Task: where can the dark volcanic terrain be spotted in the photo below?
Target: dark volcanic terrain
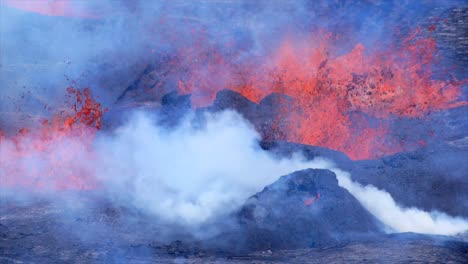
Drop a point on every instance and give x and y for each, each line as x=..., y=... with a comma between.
x=35, y=234
x=304, y=217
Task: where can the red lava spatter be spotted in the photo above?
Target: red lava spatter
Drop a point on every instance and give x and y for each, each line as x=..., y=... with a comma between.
x=332, y=92
x=57, y=155
x=329, y=89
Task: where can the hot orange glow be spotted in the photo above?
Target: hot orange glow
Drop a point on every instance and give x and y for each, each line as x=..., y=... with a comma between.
x=54, y=156
x=339, y=101
x=333, y=92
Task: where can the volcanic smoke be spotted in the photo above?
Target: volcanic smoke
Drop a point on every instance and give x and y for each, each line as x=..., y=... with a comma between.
x=319, y=86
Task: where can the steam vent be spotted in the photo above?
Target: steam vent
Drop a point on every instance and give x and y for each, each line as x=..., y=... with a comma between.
x=233, y=131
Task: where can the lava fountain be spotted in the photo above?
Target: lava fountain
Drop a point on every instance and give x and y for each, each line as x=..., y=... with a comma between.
x=343, y=101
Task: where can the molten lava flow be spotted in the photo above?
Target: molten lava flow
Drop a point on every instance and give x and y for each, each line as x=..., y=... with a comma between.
x=344, y=102
x=54, y=156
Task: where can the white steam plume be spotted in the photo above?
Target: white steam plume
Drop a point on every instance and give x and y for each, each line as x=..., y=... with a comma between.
x=192, y=174
x=381, y=204
x=189, y=174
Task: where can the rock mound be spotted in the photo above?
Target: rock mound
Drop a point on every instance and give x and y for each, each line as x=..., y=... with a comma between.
x=304, y=209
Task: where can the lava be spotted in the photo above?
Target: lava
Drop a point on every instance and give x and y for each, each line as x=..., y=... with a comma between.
x=58, y=149
x=345, y=102
x=342, y=101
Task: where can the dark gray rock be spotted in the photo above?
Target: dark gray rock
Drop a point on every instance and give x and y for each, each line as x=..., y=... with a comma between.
x=304, y=209
x=40, y=233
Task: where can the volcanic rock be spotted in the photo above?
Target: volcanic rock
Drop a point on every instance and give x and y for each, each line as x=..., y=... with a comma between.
x=264, y=115
x=304, y=209
x=174, y=108
x=44, y=232
x=228, y=99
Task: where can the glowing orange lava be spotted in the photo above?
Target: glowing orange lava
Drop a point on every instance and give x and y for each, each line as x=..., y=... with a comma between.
x=340, y=101
x=55, y=155
x=333, y=92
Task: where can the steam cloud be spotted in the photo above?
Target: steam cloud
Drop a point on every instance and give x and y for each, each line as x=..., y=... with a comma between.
x=189, y=174
x=195, y=173
x=381, y=204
